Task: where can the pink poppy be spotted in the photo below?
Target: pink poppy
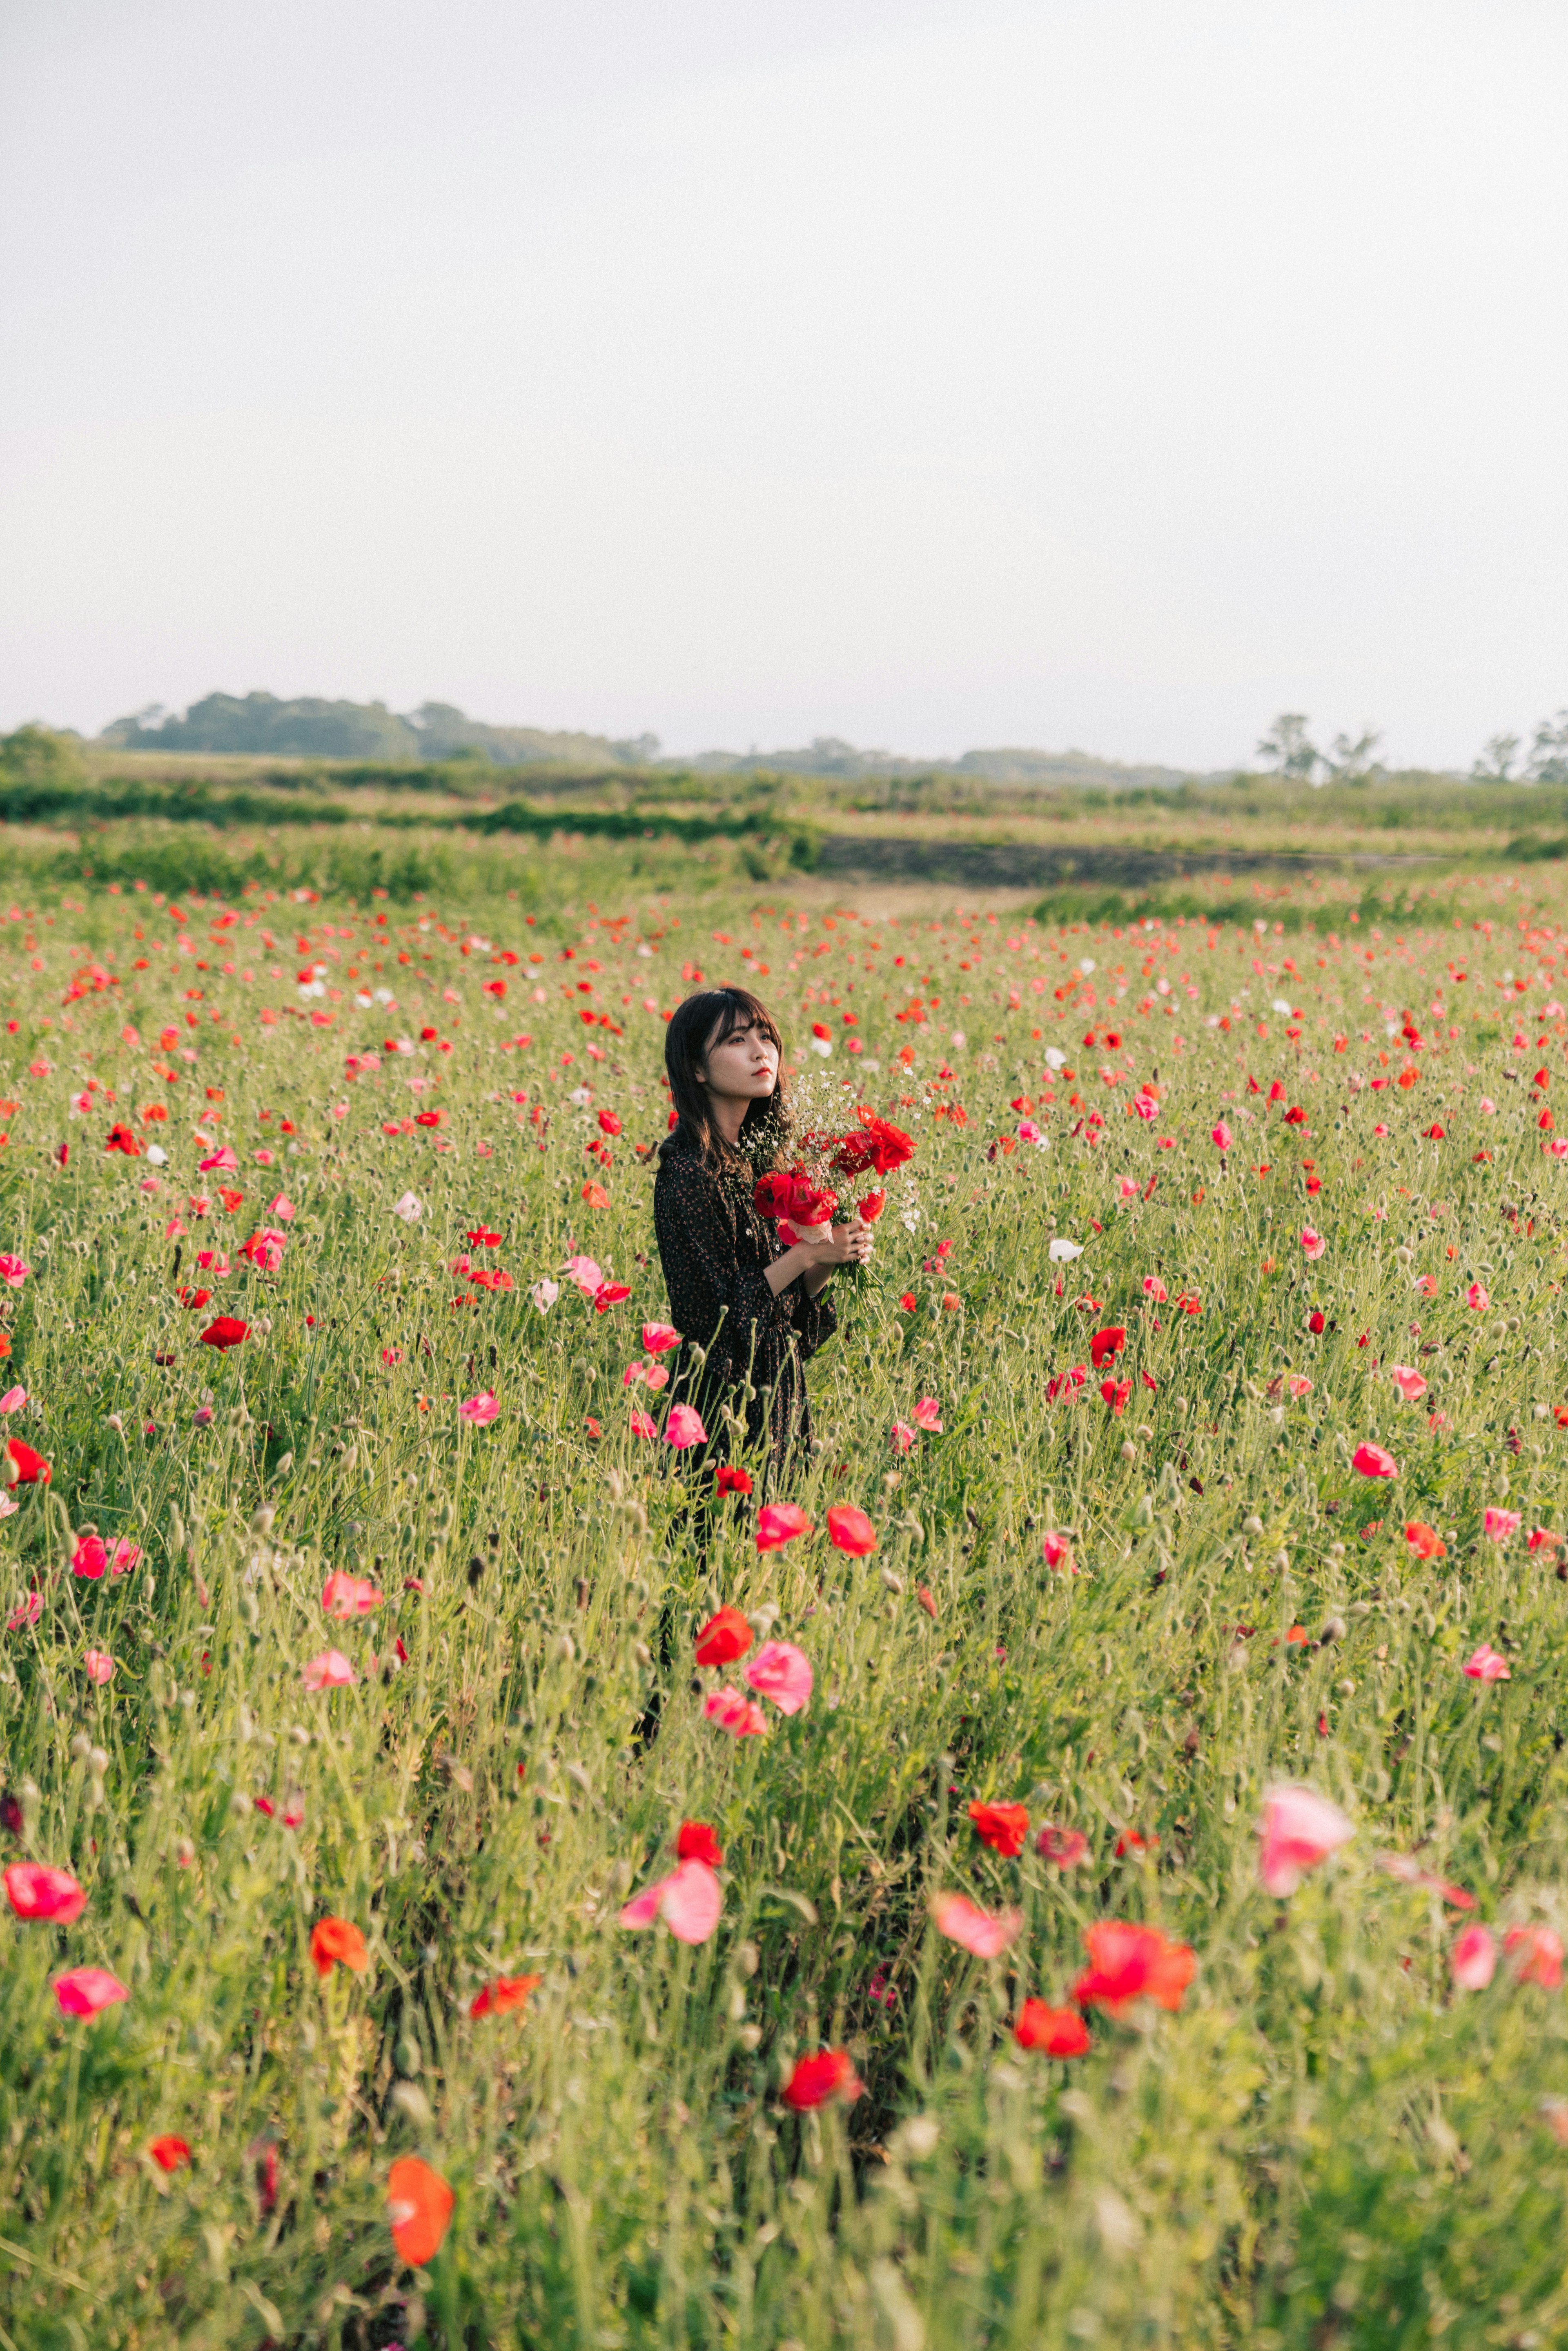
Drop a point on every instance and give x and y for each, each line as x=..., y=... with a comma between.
x=330, y=1670
x=1475, y=1958
x=1409, y=1383
x=91, y=1558
x=683, y=1427
x=783, y=1673
x=928, y=1416
x=983, y=1932
x=14, y=1271
x=82, y=1991
x=1486, y=1665
x=348, y=1595
x=1500, y=1524
x=732, y=1712
x=1057, y=1552
x=1478, y=1297
x=1299, y=1829
x=479, y=1410
x=223, y=1160
x=282, y=1207
x=586, y=1273
x=641, y=1425
x=1312, y=1244
x=690, y=1901
x=34, y=1891
x=27, y=1610
x=1154, y=1288
x=850, y=1529
x=658, y=1338
x=99, y=1667
x=124, y=1556
x=1220, y=1136
x=1371, y=1461
x=900, y=1436
x=1064, y=1849
x=1536, y=1955
x=1298, y=1385
x=778, y=1523
x=13, y=1400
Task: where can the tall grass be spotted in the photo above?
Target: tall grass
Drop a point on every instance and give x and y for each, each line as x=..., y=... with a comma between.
x=1328, y=2144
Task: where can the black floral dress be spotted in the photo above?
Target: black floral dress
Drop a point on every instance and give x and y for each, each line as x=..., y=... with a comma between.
x=714, y=1246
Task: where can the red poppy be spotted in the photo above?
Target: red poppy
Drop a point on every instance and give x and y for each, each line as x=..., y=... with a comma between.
x=169, y=2153
x=1116, y=1393
x=1425, y=1540
x=226, y=1332
x=850, y=1529
x=507, y=1992
x=1131, y=1842
x=880, y=1148
x=1001, y=1826
x=1059, y=2032
x=733, y=1481
x=724, y=1638
x=419, y=2206
x=430, y=1118
x=696, y=1842
x=809, y=1204
x=337, y=1942
x=815, y=2080
x=1315, y=1324
x=480, y=1238
x=608, y=1123
x=1107, y=1343
x=27, y=1468
x=871, y=1207
x=124, y=1138
x=193, y=1301
x=1128, y=1963
x=771, y=1195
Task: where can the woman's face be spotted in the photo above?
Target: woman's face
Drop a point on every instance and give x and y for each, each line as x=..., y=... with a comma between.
x=745, y=1066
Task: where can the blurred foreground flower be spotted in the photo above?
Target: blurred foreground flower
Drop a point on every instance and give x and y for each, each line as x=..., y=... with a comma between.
x=983, y=1932
x=690, y=1901
x=503, y=1995
x=1059, y=2032
x=418, y=2210
x=1299, y=1829
x=35, y=1891
x=1129, y=1963
x=816, y=2080
x=337, y=1942
x=83, y=1991
x=1475, y=1958
x=330, y=1670
x=783, y=1673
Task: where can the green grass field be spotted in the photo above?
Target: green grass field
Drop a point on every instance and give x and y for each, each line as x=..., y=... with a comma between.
x=1326, y=2141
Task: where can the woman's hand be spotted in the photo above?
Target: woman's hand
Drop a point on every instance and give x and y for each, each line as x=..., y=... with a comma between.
x=819, y=1261
x=844, y=1245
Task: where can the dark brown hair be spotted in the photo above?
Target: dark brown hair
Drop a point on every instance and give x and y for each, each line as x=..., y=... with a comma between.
x=703, y=1020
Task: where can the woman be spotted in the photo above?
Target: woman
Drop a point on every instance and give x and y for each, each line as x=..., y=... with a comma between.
x=756, y=1308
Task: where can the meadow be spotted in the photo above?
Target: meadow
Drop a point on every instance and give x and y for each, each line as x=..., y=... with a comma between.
x=1204, y=1410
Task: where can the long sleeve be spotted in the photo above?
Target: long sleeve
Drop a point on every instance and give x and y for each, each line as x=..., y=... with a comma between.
x=711, y=1275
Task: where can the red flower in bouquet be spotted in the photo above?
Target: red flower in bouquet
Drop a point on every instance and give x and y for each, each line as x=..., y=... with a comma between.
x=771, y=1197
x=879, y=1147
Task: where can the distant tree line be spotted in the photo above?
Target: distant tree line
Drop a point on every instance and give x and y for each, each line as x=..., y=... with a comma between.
x=1289, y=750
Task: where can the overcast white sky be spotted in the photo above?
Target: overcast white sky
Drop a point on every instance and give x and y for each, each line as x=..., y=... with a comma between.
x=931, y=372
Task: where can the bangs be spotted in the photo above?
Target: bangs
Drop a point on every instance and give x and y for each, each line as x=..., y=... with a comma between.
x=741, y=1012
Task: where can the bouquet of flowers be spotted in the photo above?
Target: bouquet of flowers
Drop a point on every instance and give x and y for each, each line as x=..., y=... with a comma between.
x=803, y=1205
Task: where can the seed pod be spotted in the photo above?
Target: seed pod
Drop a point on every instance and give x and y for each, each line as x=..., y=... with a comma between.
x=1332, y=1630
